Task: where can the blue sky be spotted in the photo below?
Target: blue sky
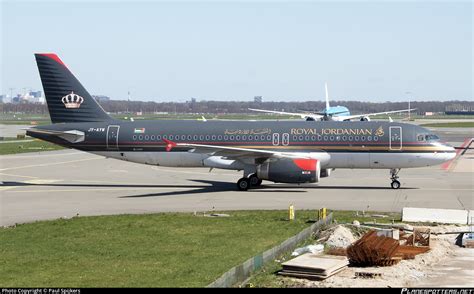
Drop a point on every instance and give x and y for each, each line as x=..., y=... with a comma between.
x=167, y=51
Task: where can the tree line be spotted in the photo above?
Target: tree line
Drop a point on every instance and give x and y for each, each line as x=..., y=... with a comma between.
x=237, y=107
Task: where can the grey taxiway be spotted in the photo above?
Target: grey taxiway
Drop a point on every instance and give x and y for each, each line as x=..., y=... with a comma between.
x=66, y=183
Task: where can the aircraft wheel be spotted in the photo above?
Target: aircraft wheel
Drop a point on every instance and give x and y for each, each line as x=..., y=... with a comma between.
x=254, y=180
x=243, y=184
x=395, y=184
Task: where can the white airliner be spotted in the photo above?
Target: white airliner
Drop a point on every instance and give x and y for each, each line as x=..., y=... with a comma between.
x=333, y=113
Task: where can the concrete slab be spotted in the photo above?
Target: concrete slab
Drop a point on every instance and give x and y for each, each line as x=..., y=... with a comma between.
x=324, y=265
x=455, y=272
x=444, y=216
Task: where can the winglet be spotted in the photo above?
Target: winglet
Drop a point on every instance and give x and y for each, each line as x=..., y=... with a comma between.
x=169, y=145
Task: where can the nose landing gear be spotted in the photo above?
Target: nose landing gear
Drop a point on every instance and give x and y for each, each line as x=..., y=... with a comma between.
x=394, y=177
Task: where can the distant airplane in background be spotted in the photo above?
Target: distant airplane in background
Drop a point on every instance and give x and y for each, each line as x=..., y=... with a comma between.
x=333, y=113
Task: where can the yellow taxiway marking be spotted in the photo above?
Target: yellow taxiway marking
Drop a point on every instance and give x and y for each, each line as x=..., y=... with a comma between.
x=159, y=168
x=5, y=157
x=48, y=164
x=102, y=189
x=12, y=175
x=6, y=188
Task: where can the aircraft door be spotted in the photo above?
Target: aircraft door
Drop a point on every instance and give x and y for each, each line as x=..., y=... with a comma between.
x=112, y=137
x=395, y=138
x=285, y=139
x=276, y=139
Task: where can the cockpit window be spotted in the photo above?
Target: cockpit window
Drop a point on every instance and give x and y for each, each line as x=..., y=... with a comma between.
x=427, y=137
x=431, y=137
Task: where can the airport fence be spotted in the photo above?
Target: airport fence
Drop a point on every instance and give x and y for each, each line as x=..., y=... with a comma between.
x=240, y=273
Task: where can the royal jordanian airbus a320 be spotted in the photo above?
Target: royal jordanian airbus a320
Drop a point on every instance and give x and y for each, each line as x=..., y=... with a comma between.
x=286, y=152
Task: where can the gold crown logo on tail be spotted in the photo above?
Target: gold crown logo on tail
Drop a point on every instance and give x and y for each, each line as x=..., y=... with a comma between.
x=72, y=100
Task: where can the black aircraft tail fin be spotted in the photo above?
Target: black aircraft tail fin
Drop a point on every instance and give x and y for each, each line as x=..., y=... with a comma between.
x=68, y=101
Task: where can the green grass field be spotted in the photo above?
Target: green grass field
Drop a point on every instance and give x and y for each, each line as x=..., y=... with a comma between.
x=28, y=145
x=469, y=124
x=155, y=250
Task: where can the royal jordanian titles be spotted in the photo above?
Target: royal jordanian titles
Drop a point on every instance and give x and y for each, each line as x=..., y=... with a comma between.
x=277, y=151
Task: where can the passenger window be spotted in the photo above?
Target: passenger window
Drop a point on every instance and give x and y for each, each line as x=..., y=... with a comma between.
x=201, y=137
x=208, y=137
x=376, y=138
x=134, y=137
x=356, y=138
x=351, y=138
x=344, y=138
x=158, y=137
x=190, y=137
x=369, y=138
x=195, y=137
x=213, y=137
x=319, y=137
x=244, y=137
x=313, y=138
x=325, y=138
x=147, y=137
x=140, y=137
x=269, y=138
x=165, y=137
x=153, y=137
x=300, y=138
x=219, y=137
x=183, y=137
x=226, y=137
x=362, y=138
x=171, y=137
x=237, y=137
x=295, y=138
x=306, y=138
x=231, y=137
x=338, y=138
x=331, y=138
x=421, y=138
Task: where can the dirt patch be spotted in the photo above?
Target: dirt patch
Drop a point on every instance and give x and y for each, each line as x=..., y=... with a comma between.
x=404, y=274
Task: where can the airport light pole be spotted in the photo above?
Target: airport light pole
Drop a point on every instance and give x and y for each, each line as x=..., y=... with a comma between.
x=409, y=108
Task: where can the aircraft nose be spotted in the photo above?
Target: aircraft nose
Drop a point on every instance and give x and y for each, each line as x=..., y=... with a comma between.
x=450, y=151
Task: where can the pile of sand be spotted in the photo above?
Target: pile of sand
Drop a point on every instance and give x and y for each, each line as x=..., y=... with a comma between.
x=341, y=237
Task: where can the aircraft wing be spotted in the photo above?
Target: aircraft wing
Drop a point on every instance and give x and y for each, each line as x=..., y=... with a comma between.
x=373, y=114
x=232, y=152
x=302, y=115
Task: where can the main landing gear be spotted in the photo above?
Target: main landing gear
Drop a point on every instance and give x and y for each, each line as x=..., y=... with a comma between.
x=245, y=183
x=394, y=177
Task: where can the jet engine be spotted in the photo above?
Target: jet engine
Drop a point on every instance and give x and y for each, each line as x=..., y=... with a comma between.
x=365, y=118
x=290, y=170
x=325, y=172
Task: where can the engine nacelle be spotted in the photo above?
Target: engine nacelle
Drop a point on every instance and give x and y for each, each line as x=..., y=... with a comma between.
x=325, y=172
x=365, y=118
x=290, y=170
